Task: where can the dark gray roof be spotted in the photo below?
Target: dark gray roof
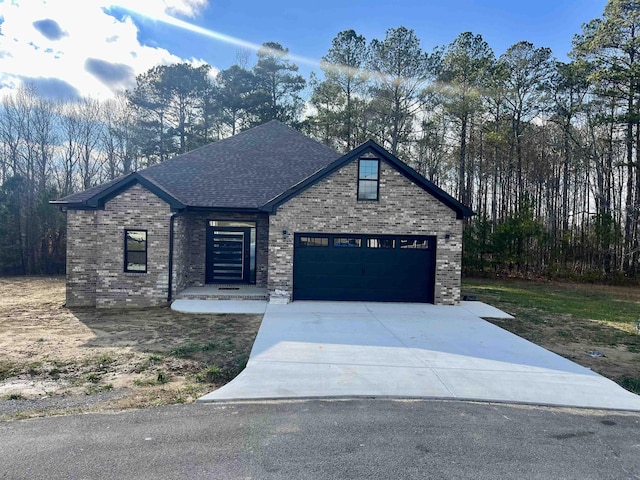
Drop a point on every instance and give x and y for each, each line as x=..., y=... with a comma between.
x=87, y=194
x=244, y=171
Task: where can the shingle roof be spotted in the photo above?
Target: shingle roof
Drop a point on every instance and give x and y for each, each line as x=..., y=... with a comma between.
x=87, y=194
x=257, y=169
x=243, y=171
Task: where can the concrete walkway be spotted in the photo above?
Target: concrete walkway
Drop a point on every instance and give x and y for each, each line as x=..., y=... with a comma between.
x=339, y=349
x=219, y=306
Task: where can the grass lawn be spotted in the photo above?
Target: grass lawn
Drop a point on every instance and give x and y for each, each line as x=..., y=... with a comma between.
x=59, y=360
x=572, y=320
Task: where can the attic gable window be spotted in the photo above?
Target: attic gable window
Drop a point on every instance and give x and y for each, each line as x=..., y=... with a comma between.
x=368, y=179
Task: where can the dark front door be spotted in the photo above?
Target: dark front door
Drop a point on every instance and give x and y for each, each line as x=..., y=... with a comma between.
x=380, y=268
x=228, y=254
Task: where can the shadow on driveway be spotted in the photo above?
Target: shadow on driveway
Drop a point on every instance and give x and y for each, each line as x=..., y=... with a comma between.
x=335, y=349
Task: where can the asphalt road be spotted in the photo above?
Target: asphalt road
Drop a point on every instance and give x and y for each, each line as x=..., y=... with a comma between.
x=349, y=439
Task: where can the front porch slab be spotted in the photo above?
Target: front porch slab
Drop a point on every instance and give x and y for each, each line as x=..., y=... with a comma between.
x=220, y=306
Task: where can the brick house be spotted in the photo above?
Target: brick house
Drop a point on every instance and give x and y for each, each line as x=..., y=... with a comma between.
x=268, y=207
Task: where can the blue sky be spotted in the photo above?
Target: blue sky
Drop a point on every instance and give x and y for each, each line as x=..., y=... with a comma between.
x=96, y=47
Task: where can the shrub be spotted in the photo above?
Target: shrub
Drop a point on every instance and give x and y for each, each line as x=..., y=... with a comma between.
x=162, y=377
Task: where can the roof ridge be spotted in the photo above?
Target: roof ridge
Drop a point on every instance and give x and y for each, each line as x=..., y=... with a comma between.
x=239, y=136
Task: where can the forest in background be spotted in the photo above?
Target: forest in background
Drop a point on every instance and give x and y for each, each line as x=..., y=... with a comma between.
x=545, y=152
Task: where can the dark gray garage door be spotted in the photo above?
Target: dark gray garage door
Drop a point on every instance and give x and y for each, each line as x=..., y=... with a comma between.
x=380, y=268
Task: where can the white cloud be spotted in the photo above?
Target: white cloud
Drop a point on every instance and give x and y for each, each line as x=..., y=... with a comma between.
x=79, y=45
x=188, y=8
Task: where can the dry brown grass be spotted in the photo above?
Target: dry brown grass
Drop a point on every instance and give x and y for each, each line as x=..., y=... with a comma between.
x=140, y=357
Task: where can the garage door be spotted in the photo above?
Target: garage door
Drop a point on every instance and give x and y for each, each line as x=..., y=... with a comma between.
x=380, y=268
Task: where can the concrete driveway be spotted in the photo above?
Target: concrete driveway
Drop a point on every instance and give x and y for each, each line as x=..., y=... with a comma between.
x=344, y=349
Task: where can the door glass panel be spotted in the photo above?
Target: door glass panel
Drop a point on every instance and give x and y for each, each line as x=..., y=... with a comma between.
x=347, y=242
x=252, y=240
x=418, y=243
x=381, y=243
x=314, y=241
x=228, y=255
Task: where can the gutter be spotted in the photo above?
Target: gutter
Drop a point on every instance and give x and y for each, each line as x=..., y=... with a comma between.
x=171, y=231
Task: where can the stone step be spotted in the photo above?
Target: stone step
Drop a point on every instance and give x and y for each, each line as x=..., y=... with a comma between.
x=191, y=296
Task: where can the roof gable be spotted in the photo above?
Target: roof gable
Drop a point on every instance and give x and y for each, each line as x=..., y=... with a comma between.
x=370, y=146
x=242, y=172
x=113, y=189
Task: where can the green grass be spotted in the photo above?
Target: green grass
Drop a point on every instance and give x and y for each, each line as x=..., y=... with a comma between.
x=103, y=360
x=581, y=301
x=145, y=383
x=222, y=373
x=93, y=377
x=630, y=383
x=14, y=396
x=148, y=363
x=34, y=368
x=162, y=377
x=7, y=370
x=186, y=351
x=93, y=389
x=213, y=374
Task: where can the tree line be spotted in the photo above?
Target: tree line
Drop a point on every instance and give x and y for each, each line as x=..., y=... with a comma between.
x=545, y=152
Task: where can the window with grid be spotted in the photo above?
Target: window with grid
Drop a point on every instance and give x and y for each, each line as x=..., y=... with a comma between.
x=368, y=179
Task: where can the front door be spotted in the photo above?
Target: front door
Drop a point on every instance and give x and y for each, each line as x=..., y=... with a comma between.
x=228, y=254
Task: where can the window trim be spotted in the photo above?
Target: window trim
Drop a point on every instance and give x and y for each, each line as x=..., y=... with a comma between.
x=126, y=250
x=377, y=181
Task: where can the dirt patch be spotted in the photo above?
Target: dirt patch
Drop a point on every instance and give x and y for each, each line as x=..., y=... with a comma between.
x=139, y=357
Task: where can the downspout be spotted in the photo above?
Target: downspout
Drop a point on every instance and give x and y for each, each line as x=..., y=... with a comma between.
x=171, y=230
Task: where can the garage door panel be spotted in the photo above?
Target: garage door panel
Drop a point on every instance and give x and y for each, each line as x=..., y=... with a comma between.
x=417, y=267
x=325, y=254
x=332, y=269
x=361, y=295
x=365, y=274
